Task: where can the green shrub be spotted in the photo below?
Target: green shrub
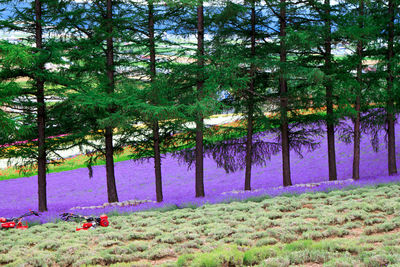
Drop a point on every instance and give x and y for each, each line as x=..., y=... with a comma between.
x=288, y=237
x=304, y=256
x=200, y=221
x=257, y=254
x=370, y=230
x=171, y=238
x=356, y=215
x=138, y=246
x=257, y=199
x=223, y=256
x=312, y=235
x=335, y=231
x=191, y=244
x=49, y=244
x=378, y=259
x=6, y=259
x=242, y=242
x=352, y=225
x=338, y=245
x=243, y=229
x=266, y=241
x=40, y=259
x=184, y=260
x=110, y=243
x=274, y=215
x=276, y=262
x=218, y=231
x=347, y=261
x=386, y=227
x=158, y=252
x=298, y=245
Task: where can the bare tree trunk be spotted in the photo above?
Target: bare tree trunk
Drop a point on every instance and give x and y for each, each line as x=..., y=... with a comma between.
x=157, y=162
x=200, y=119
x=329, y=100
x=156, y=134
x=357, y=134
x=284, y=99
x=41, y=114
x=111, y=186
x=250, y=111
x=390, y=105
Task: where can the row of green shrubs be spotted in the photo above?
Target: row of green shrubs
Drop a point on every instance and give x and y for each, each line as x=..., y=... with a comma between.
x=337, y=252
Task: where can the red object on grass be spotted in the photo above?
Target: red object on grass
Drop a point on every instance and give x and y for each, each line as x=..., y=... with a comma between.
x=21, y=226
x=86, y=226
x=8, y=225
x=15, y=222
x=91, y=222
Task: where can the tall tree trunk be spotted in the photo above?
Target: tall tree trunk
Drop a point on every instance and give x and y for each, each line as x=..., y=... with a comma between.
x=200, y=119
x=250, y=108
x=41, y=114
x=329, y=100
x=111, y=186
x=156, y=134
x=157, y=161
x=284, y=98
x=357, y=134
x=390, y=105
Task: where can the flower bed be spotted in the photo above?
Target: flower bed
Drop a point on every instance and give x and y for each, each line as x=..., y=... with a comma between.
x=136, y=181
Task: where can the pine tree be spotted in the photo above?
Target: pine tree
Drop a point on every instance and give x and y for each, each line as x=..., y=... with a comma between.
x=200, y=117
x=156, y=134
x=11, y=55
x=151, y=101
x=249, y=143
x=389, y=87
x=322, y=23
x=197, y=83
x=236, y=30
x=41, y=112
x=93, y=29
x=329, y=92
x=284, y=96
x=356, y=142
x=37, y=20
x=352, y=29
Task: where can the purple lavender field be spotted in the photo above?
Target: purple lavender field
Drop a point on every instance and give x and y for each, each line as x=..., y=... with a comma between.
x=136, y=181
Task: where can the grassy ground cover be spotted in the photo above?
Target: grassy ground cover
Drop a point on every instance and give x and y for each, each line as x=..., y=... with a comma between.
x=68, y=164
x=358, y=227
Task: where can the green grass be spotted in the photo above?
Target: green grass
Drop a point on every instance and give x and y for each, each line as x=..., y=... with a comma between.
x=69, y=164
x=312, y=228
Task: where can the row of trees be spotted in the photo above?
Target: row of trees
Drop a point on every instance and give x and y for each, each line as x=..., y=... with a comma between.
x=113, y=66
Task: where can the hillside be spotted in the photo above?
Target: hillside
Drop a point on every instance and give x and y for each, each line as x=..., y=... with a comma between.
x=357, y=227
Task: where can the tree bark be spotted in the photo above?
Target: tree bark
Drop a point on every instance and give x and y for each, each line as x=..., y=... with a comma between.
x=284, y=98
x=357, y=134
x=200, y=119
x=329, y=91
x=156, y=134
x=41, y=113
x=111, y=186
x=392, y=168
x=157, y=162
x=250, y=109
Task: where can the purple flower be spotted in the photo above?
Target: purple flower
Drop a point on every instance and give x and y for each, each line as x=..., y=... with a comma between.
x=135, y=180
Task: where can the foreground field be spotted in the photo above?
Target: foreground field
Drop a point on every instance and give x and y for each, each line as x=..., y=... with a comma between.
x=358, y=227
